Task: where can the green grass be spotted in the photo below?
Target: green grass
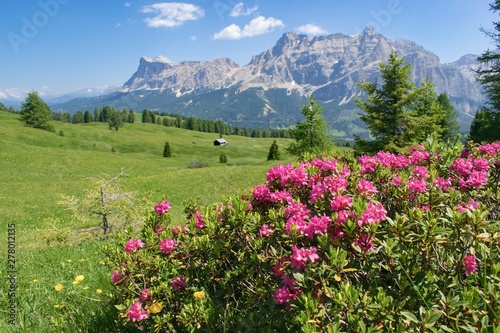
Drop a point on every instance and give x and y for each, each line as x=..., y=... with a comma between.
x=38, y=166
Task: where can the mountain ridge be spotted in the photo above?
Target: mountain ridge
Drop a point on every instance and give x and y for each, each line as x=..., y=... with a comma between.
x=298, y=66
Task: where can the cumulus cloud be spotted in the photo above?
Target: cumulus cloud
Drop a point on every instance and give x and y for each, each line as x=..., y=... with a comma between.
x=238, y=10
x=171, y=14
x=127, y=4
x=311, y=29
x=258, y=26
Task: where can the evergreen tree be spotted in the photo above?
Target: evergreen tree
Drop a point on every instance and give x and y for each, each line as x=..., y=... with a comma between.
x=222, y=158
x=131, y=117
x=146, y=117
x=166, y=150
x=106, y=113
x=153, y=117
x=486, y=124
x=97, y=114
x=87, y=117
x=398, y=114
x=3, y=107
x=78, y=117
x=274, y=153
x=311, y=136
x=36, y=113
x=449, y=122
x=115, y=120
x=485, y=127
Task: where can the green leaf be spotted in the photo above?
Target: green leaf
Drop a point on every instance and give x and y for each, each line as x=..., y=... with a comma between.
x=410, y=316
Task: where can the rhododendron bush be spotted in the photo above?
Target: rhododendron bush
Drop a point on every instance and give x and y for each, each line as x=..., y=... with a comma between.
x=400, y=243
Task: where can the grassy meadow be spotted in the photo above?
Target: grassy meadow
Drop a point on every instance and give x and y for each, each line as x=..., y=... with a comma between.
x=38, y=166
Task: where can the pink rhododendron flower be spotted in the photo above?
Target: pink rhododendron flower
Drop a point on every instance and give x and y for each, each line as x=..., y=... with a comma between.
x=116, y=277
x=317, y=226
x=462, y=166
x=477, y=178
x=481, y=164
x=326, y=166
x=418, y=157
x=340, y=202
x=133, y=244
x=265, y=231
x=167, y=245
x=366, y=187
x=470, y=264
x=374, y=213
x=368, y=164
x=335, y=184
x=285, y=294
x=136, y=313
x=421, y=172
x=261, y=193
x=162, y=207
x=301, y=255
x=198, y=217
x=364, y=242
x=417, y=185
x=178, y=283
x=396, y=181
x=144, y=295
x=279, y=267
x=471, y=205
x=159, y=229
x=298, y=176
x=442, y=184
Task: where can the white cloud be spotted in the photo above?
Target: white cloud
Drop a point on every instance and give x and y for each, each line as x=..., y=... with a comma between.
x=127, y=4
x=258, y=26
x=311, y=29
x=238, y=10
x=118, y=25
x=194, y=38
x=171, y=14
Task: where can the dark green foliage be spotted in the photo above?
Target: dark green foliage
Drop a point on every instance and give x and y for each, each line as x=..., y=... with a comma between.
x=3, y=107
x=105, y=113
x=449, y=123
x=146, y=117
x=36, y=113
x=485, y=127
x=78, y=117
x=115, y=120
x=131, y=117
x=486, y=124
x=222, y=157
x=87, y=117
x=274, y=153
x=311, y=136
x=397, y=113
x=167, y=152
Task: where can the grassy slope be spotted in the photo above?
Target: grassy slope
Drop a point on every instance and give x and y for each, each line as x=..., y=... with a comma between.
x=37, y=166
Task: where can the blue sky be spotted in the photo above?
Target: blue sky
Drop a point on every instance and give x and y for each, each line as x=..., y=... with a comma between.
x=58, y=46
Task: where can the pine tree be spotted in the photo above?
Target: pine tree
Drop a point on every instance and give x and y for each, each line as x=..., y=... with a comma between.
x=166, y=150
x=146, y=117
x=274, y=153
x=486, y=124
x=87, y=117
x=311, y=136
x=115, y=120
x=449, y=123
x=398, y=114
x=222, y=158
x=36, y=113
x=131, y=117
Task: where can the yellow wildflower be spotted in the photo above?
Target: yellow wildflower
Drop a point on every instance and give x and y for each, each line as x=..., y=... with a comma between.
x=101, y=262
x=199, y=294
x=69, y=260
x=81, y=260
x=155, y=308
x=79, y=279
x=99, y=291
x=35, y=281
x=85, y=288
x=58, y=287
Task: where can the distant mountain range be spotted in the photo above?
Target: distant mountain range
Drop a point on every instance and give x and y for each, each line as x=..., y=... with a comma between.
x=271, y=90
